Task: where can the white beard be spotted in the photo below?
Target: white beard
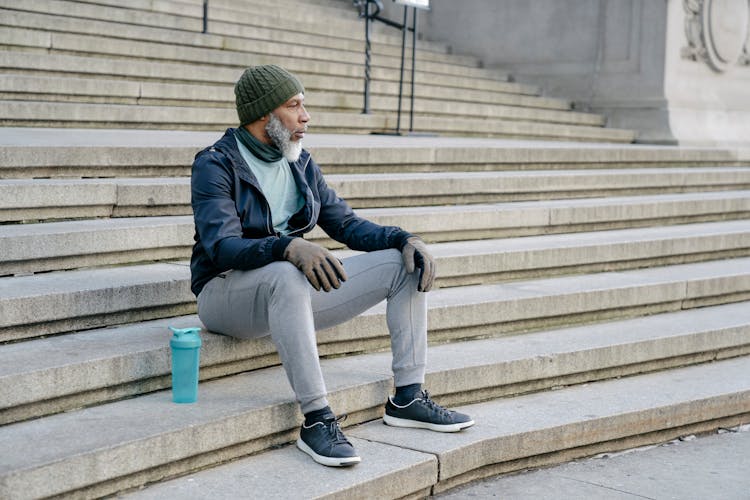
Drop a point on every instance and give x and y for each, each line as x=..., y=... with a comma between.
x=282, y=139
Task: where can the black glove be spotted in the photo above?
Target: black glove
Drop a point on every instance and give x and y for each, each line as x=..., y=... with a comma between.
x=319, y=265
x=416, y=256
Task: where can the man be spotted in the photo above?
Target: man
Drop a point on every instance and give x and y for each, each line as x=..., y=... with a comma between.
x=255, y=193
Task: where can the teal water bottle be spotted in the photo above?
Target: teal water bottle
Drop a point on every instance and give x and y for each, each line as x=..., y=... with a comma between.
x=185, y=344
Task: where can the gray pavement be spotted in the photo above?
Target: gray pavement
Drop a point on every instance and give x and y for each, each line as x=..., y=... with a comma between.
x=708, y=467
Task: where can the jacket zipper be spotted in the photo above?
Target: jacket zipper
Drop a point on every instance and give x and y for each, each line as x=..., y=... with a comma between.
x=310, y=224
x=269, y=221
x=262, y=196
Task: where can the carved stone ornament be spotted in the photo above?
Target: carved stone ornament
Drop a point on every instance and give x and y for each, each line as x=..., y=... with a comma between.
x=717, y=32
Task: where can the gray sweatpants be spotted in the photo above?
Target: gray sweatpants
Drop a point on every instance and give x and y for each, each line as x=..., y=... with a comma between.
x=277, y=300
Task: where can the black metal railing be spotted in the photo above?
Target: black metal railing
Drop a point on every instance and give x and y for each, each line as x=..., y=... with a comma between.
x=205, y=16
x=370, y=11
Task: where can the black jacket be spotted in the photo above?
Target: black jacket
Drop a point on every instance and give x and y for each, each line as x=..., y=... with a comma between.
x=233, y=228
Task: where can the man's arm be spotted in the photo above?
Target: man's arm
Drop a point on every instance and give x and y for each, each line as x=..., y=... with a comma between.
x=340, y=222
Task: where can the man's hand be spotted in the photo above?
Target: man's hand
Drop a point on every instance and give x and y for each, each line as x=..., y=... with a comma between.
x=318, y=264
x=416, y=256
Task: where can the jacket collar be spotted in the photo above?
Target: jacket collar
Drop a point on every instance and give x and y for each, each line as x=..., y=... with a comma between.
x=228, y=146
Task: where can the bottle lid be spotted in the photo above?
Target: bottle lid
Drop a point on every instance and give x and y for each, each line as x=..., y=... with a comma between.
x=185, y=338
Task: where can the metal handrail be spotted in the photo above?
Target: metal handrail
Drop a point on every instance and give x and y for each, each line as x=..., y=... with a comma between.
x=205, y=16
x=369, y=15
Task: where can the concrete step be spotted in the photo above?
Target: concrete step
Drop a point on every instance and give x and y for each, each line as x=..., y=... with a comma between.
x=66, y=65
x=30, y=200
x=424, y=189
x=223, y=35
x=200, y=82
x=49, y=199
x=344, y=6
x=78, y=300
x=230, y=18
x=310, y=19
x=14, y=113
x=29, y=248
x=94, y=242
x=488, y=261
x=461, y=262
x=149, y=438
x=57, y=152
x=251, y=19
x=45, y=376
x=58, y=302
x=341, y=9
x=511, y=129
x=115, y=91
x=337, y=7
x=287, y=17
x=481, y=221
x=237, y=53
x=40, y=21
x=691, y=466
x=94, y=90
x=194, y=8
x=536, y=430
x=35, y=114
x=84, y=11
x=349, y=40
x=18, y=87
x=548, y=428
x=430, y=109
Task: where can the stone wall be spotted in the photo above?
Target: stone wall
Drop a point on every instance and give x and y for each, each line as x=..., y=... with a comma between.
x=707, y=77
x=678, y=71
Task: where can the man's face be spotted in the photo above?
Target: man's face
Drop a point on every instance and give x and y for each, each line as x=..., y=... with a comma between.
x=294, y=116
x=286, y=127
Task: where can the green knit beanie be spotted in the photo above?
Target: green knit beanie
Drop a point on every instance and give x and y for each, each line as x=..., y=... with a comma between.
x=261, y=89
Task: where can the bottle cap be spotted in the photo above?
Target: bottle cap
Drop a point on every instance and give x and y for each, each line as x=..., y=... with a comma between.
x=185, y=338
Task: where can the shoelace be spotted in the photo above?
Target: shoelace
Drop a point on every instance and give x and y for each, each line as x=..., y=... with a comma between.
x=434, y=406
x=335, y=430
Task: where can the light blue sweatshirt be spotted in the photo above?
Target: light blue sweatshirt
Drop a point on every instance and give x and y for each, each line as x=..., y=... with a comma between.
x=278, y=186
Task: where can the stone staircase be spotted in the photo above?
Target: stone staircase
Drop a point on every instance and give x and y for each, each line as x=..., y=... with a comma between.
x=136, y=68
x=593, y=294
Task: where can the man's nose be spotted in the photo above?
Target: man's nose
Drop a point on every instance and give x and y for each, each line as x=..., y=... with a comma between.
x=304, y=116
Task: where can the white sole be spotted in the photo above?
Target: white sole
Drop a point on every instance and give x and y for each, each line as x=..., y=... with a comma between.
x=329, y=461
x=414, y=424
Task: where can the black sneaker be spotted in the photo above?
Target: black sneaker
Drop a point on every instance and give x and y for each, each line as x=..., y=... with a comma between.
x=326, y=444
x=424, y=413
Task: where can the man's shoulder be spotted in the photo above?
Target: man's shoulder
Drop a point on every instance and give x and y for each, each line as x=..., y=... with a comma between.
x=222, y=149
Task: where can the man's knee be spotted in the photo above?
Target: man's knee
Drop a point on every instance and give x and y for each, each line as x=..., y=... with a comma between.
x=391, y=259
x=391, y=256
x=286, y=278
